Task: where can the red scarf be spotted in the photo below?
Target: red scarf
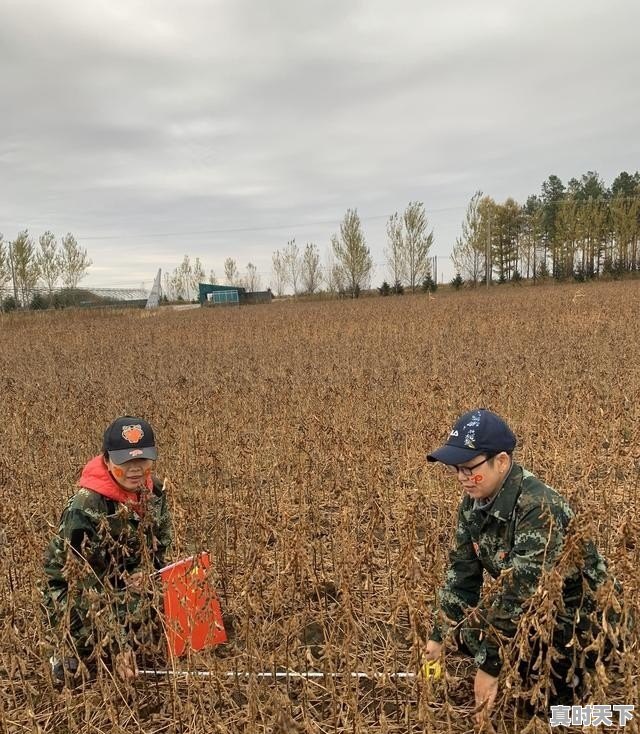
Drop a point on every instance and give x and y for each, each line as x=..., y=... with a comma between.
x=96, y=477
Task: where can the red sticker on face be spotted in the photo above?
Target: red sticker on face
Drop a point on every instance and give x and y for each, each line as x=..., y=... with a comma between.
x=477, y=478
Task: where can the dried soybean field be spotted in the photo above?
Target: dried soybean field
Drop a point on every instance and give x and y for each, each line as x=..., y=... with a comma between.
x=293, y=438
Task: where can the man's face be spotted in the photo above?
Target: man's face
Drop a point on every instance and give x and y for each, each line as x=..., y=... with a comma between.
x=132, y=474
x=481, y=477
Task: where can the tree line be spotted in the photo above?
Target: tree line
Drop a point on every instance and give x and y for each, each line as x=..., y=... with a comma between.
x=182, y=283
x=581, y=230
x=349, y=265
x=346, y=270
x=32, y=275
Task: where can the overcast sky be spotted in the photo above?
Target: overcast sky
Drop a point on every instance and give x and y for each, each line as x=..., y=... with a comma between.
x=224, y=128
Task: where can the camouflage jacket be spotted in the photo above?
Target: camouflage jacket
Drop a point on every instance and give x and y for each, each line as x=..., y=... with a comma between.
x=99, y=542
x=516, y=538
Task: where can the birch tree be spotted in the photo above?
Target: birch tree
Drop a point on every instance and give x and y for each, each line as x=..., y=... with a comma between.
x=25, y=266
x=75, y=262
x=231, y=271
x=352, y=254
x=417, y=242
x=280, y=276
x=469, y=251
x=311, y=269
x=5, y=265
x=253, y=278
x=197, y=276
x=50, y=261
x=293, y=264
x=395, y=251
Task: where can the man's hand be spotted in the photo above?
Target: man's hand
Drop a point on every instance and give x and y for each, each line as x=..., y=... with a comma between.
x=126, y=666
x=433, y=651
x=485, y=688
x=430, y=665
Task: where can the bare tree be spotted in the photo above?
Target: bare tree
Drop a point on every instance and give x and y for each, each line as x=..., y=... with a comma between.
x=212, y=278
x=5, y=264
x=197, y=276
x=252, y=279
x=395, y=251
x=311, y=269
x=185, y=278
x=25, y=266
x=168, y=286
x=49, y=261
x=417, y=242
x=333, y=275
x=180, y=283
x=75, y=262
x=293, y=264
x=231, y=271
x=280, y=272
x=469, y=252
x=352, y=254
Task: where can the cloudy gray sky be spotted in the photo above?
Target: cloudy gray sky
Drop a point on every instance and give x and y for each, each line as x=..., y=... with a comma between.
x=224, y=128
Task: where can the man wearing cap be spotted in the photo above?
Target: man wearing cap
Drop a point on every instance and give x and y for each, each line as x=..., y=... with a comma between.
x=113, y=532
x=514, y=527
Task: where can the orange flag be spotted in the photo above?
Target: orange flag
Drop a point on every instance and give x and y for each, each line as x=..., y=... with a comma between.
x=191, y=609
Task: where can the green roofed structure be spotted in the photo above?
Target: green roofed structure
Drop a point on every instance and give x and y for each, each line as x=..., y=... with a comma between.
x=230, y=295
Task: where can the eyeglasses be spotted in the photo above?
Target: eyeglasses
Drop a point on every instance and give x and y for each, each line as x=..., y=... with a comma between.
x=467, y=471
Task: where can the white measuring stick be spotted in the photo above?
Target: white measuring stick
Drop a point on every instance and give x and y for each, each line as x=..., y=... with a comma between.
x=278, y=675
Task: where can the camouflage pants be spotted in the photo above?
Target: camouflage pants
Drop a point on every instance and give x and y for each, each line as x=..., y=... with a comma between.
x=93, y=624
x=568, y=664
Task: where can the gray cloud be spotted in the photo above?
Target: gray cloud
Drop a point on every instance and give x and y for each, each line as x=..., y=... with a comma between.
x=238, y=125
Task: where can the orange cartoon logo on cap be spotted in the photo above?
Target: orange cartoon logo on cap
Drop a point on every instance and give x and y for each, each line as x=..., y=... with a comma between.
x=132, y=434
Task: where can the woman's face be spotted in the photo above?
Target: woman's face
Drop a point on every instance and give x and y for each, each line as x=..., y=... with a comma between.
x=132, y=474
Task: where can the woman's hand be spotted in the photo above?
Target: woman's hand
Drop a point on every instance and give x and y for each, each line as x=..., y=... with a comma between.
x=135, y=581
x=126, y=667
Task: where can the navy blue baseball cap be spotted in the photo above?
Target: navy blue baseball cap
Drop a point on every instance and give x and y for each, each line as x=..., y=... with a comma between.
x=475, y=433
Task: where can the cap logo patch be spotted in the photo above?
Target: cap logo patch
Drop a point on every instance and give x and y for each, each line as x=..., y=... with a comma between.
x=454, y=433
x=132, y=434
x=136, y=452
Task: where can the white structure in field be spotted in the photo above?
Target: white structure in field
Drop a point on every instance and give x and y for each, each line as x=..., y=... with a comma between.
x=154, y=297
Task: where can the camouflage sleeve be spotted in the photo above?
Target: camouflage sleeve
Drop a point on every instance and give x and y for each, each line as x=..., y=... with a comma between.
x=77, y=539
x=75, y=566
x=165, y=536
x=86, y=541
x=537, y=543
x=463, y=580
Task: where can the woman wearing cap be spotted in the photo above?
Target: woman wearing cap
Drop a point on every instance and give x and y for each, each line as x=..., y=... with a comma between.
x=513, y=526
x=113, y=532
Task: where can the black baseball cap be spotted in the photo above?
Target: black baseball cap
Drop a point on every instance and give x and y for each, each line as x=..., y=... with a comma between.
x=477, y=432
x=129, y=438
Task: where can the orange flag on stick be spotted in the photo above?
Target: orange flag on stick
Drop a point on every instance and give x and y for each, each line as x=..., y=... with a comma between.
x=191, y=608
